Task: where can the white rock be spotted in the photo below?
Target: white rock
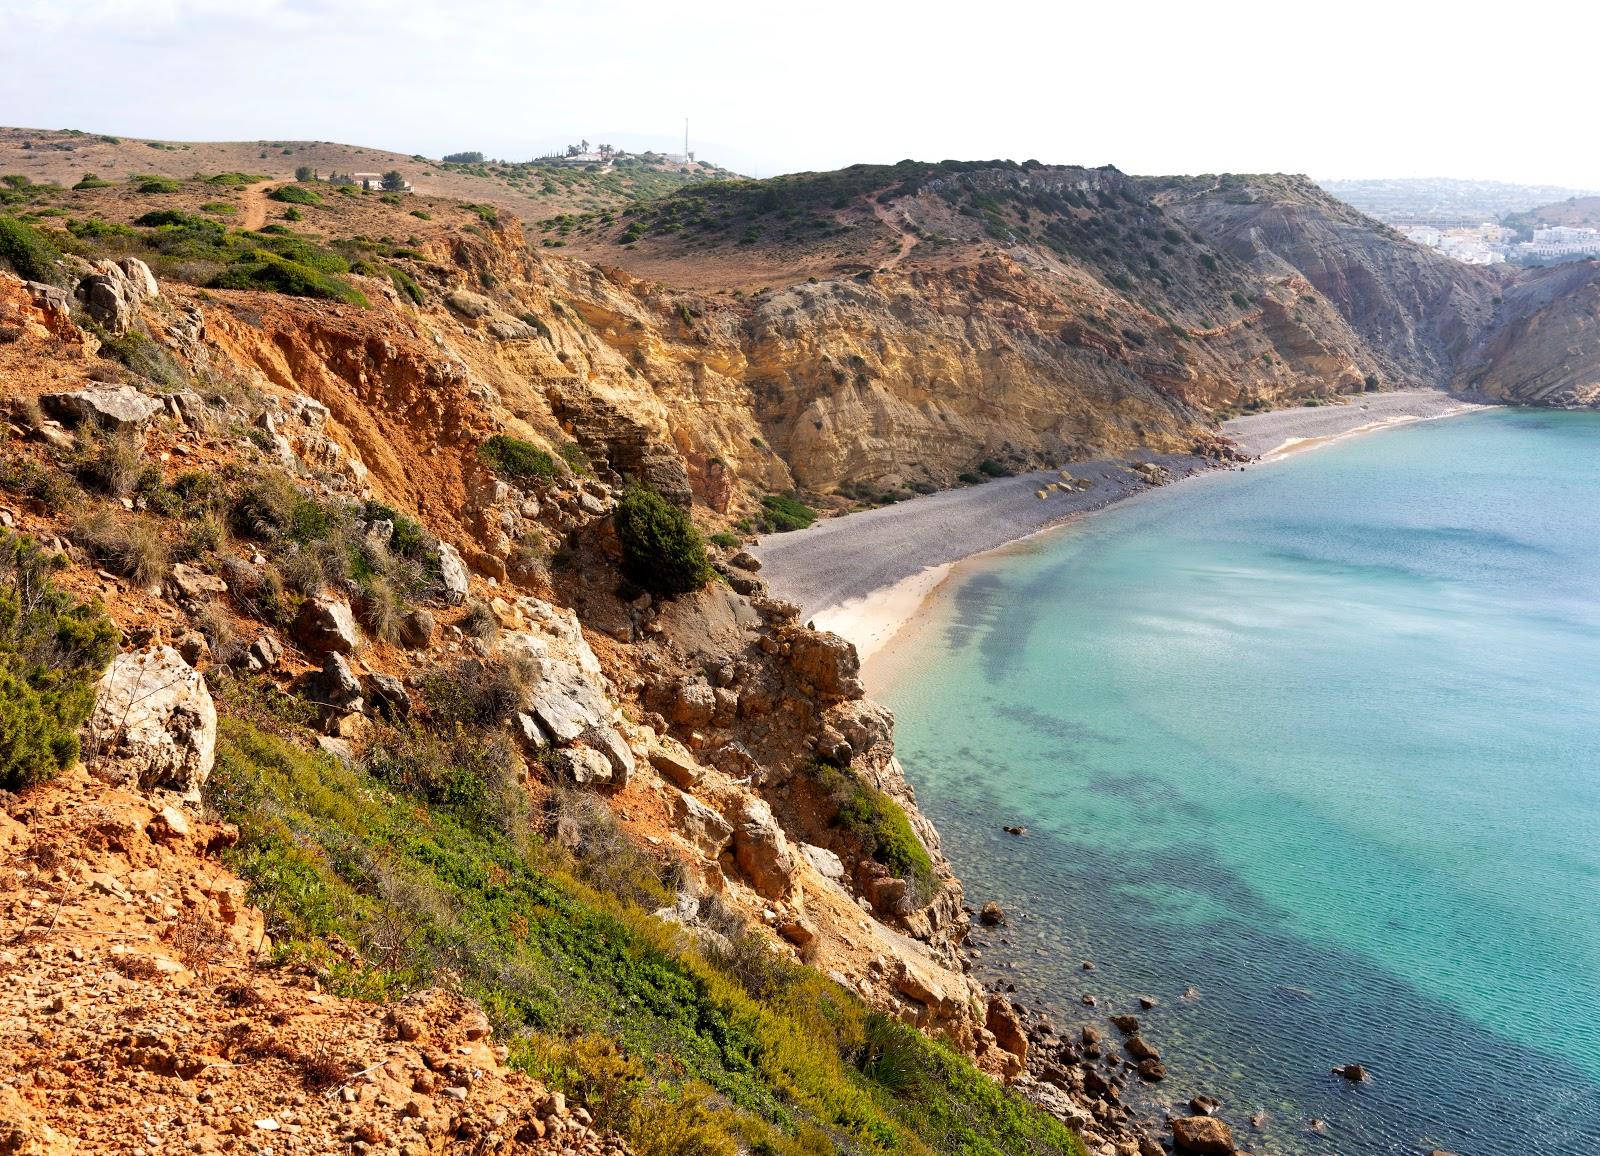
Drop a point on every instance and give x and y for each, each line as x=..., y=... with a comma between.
x=154, y=726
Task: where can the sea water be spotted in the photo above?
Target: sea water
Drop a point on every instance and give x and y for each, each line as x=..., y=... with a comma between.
x=1319, y=741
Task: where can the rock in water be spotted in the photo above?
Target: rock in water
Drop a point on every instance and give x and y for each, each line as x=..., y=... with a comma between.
x=154, y=726
x=1202, y=1136
x=1355, y=1073
x=992, y=915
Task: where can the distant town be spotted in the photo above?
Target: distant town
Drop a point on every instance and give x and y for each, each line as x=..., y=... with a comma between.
x=1483, y=222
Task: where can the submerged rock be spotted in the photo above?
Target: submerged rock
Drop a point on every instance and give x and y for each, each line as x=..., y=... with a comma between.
x=1202, y=1136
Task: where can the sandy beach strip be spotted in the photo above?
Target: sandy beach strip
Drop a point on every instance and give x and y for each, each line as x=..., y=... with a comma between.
x=866, y=576
x=1271, y=435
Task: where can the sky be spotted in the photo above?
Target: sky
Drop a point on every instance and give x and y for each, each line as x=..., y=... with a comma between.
x=1358, y=89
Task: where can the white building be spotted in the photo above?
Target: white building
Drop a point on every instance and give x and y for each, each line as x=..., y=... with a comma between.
x=1561, y=241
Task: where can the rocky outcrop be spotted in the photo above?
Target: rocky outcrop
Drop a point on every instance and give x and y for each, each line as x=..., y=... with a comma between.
x=154, y=727
x=114, y=291
x=325, y=625
x=111, y=407
x=762, y=850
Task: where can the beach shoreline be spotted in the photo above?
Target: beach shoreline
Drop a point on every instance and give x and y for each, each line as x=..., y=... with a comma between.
x=868, y=577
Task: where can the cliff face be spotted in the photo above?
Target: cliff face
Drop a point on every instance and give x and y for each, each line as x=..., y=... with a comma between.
x=1413, y=311
x=925, y=318
x=1544, y=348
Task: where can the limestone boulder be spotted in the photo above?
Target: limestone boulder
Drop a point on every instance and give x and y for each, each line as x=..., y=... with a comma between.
x=112, y=407
x=582, y=766
x=1002, y=1020
x=326, y=625
x=695, y=706
x=154, y=727
x=605, y=739
x=335, y=687
x=191, y=584
x=416, y=629
x=566, y=701
x=453, y=574
x=708, y=831
x=110, y=297
x=139, y=277
x=827, y=864
x=387, y=696
x=674, y=763
x=469, y=304
x=762, y=850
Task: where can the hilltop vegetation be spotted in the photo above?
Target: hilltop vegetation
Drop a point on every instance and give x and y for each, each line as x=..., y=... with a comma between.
x=528, y=189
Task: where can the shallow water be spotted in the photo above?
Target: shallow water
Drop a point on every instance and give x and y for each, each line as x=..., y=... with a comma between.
x=1321, y=740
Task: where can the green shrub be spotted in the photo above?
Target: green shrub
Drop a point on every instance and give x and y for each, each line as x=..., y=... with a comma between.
x=31, y=254
x=993, y=469
x=725, y=540
x=94, y=229
x=405, y=283
x=681, y=1051
x=879, y=823
x=661, y=549
x=781, y=512
x=265, y=270
x=516, y=458
x=158, y=217
x=219, y=208
x=234, y=180
x=90, y=181
x=52, y=650
x=151, y=185
x=294, y=195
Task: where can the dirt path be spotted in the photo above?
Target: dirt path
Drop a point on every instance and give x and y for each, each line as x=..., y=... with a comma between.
x=255, y=205
x=908, y=241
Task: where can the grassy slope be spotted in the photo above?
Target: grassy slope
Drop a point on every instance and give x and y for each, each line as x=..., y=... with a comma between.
x=382, y=891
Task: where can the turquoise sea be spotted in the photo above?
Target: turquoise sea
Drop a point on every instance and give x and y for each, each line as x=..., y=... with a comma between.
x=1322, y=741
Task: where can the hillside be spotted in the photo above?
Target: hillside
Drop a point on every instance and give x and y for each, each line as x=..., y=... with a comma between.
x=1576, y=212
x=530, y=190
x=396, y=702
x=446, y=698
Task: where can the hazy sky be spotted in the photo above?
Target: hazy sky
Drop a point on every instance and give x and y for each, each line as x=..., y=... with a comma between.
x=1402, y=88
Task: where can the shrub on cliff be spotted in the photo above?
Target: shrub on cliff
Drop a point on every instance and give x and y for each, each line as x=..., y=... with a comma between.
x=677, y=1050
x=52, y=649
x=31, y=254
x=264, y=270
x=661, y=549
x=880, y=825
x=518, y=459
x=781, y=513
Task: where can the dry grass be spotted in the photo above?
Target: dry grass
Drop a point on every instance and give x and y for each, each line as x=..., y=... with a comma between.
x=128, y=546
